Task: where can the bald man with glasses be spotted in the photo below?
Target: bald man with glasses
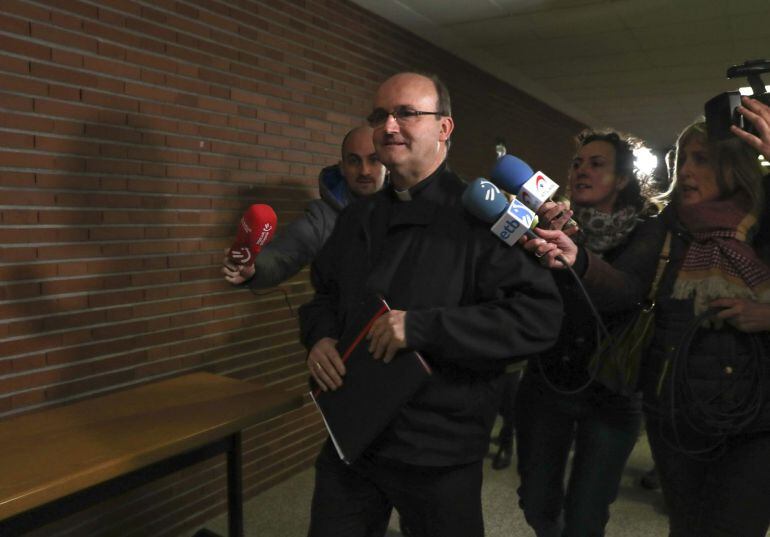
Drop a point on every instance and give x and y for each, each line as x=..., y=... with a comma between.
x=470, y=305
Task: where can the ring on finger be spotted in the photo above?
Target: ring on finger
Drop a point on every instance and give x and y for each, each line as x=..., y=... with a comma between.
x=539, y=255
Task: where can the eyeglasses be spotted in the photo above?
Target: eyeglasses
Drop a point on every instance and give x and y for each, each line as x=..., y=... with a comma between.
x=402, y=115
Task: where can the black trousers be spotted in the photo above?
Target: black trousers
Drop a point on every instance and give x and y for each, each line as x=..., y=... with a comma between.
x=548, y=424
x=356, y=500
x=726, y=496
x=507, y=408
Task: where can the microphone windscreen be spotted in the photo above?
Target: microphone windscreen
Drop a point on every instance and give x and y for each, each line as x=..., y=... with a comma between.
x=260, y=221
x=255, y=230
x=510, y=173
x=484, y=200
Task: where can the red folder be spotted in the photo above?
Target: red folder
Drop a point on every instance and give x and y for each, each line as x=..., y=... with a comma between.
x=372, y=391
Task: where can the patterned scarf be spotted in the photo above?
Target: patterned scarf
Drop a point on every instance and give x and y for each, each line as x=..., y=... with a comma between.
x=602, y=232
x=719, y=262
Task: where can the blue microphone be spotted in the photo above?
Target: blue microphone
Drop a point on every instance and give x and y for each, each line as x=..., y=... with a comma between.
x=510, y=173
x=488, y=203
x=484, y=200
x=531, y=188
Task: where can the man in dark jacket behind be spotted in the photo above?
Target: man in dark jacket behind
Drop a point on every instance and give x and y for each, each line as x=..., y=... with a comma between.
x=358, y=173
x=460, y=296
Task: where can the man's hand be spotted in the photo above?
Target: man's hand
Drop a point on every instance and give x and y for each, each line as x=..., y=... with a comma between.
x=388, y=335
x=550, y=245
x=325, y=364
x=759, y=115
x=745, y=314
x=236, y=274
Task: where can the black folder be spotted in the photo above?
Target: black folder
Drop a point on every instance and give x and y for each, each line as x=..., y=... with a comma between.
x=372, y=391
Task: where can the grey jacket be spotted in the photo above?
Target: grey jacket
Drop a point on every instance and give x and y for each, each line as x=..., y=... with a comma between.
x=297, y=245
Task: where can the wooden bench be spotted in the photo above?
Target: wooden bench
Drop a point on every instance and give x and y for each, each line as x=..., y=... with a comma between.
x=60, y=460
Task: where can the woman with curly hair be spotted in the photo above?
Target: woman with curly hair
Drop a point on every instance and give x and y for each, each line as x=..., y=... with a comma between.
x=559, y=405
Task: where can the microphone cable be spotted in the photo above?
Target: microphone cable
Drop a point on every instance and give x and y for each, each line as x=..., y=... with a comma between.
x=276, y=290
x=601, y=332
x=605, y=341
x=714, y=415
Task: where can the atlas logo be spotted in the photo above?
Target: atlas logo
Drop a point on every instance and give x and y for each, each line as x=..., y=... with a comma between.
x=541, y=183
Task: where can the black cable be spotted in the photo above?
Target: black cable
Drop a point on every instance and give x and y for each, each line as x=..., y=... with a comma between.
x=275, y=290
x=711, y=415
x=599, y=321
x=601, y=331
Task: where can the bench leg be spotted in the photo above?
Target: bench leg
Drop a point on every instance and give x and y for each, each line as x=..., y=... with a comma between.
x=235, y=487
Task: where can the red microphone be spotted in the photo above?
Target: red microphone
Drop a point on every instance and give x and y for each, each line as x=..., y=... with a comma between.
x=255, y=230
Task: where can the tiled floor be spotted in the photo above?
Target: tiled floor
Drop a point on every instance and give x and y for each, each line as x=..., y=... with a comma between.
x=283, y=511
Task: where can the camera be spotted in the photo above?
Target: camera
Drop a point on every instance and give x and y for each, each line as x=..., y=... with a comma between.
x=721, y=111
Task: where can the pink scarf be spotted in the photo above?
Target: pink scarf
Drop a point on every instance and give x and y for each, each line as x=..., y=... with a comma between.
x=719, y=262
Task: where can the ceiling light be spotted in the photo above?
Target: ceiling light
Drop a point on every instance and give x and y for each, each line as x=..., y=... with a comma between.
x=645, y=161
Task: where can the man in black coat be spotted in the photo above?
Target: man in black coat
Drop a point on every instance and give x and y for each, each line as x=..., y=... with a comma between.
x=466, y=301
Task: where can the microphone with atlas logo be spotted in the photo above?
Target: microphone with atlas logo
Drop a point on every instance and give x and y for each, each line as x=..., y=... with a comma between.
x=531, y=188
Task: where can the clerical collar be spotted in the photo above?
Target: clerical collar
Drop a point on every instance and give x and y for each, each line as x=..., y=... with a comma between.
x=410, y=193
x=403, y=195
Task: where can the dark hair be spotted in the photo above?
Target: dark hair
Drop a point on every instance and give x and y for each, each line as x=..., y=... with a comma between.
x=444, y=102
x=638, y=190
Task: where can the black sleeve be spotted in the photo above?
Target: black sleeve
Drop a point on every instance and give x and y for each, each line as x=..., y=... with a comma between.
x=517, y=312
x=626, y=282
x=319, y=317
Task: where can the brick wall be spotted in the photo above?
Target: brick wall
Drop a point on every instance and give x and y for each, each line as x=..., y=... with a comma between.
x=133, y=134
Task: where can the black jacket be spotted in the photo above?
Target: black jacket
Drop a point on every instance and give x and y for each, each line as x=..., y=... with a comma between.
x=715, y=356
x=565, y=366
x=473, y=305
x=720, y=363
